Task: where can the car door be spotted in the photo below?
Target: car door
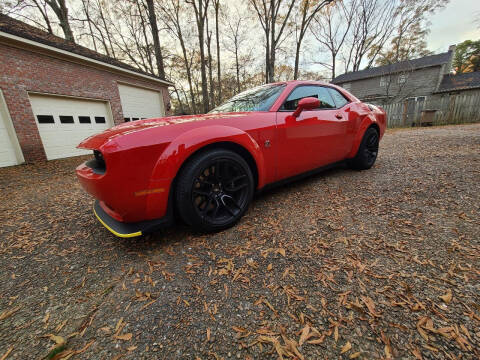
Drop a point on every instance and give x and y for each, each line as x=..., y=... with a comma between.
x=315, y=138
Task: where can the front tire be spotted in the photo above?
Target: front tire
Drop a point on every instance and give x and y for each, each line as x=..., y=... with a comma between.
x=214, y=190
x=367, y=151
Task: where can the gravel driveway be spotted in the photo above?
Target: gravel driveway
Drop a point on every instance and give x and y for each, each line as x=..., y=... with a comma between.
x=374, y=264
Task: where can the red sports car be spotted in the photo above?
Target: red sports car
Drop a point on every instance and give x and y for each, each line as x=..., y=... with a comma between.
x=206, y=168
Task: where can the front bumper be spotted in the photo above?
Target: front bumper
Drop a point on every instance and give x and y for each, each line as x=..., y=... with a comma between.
x=127, y=230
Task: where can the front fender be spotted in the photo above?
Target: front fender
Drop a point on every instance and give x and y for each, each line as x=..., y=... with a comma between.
x=364, y=125
x=182, y=147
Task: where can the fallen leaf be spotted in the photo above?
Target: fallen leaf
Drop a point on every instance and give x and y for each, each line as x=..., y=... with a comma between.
x=388, y=351
x=131, y=348
x=269, y=267
x=85, y=347
x=125, y=337
x=346, y=347
x=304, y=335
x=58, y=339
x=417, y=354
x=316, y=341
x=447, y=297
x=63, y=355
x=7, y=353
x=45, y=319
x=208, y=334
x=239, y=329
x=355, y=355
x=119, y=323
x=370, y=306
x=281, y=251
x=8, y=313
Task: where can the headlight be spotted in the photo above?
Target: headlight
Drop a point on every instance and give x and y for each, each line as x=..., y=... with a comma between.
x=98, y=164
x=99, y=157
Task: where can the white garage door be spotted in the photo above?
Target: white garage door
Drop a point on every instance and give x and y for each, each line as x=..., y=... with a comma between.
x=139, y=103
x=64, y=122
x=8, y=154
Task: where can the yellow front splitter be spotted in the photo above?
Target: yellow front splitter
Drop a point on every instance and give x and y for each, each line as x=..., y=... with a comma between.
x=127, y=230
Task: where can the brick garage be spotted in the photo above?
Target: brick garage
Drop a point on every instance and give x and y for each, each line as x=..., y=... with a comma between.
x=35, y=64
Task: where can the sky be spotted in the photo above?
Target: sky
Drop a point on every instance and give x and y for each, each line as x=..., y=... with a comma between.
x=454, y=24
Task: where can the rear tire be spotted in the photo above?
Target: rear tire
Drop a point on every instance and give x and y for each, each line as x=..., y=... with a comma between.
x=214, y=190
x=367, y=151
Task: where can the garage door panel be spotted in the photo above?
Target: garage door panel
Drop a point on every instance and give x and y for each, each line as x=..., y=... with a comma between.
x=60, y=139
x=8, y=156
x=140, y=103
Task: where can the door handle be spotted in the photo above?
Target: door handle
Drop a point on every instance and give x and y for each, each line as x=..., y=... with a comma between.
x=339, y=116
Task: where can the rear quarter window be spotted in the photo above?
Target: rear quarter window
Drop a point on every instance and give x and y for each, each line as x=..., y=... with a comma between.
x=340, y=100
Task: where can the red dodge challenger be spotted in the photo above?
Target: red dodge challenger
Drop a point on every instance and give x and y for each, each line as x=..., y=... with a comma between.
x=206, y=168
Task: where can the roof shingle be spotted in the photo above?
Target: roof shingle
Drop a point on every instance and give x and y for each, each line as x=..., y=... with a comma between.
x=408, y=65
x=18, y=28
x=460, y=82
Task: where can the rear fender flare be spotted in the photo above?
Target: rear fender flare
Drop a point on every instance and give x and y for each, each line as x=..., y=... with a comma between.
x=364, y=125
x=182, y=147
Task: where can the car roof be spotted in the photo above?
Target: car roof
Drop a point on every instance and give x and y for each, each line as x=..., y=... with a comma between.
x=300, y=82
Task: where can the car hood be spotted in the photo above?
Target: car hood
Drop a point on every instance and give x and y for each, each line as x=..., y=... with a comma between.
x=95, y=141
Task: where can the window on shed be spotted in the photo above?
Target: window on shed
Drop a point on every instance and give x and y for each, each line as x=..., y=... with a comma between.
x=66, y=119
x=402, y=78
x=45, y=119
x=84, y=120
x=383, y=81
x=100, y=119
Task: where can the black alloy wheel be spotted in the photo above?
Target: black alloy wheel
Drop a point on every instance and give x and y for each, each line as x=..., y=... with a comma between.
x=371, y=147
x=367, y=152
x=214, y=190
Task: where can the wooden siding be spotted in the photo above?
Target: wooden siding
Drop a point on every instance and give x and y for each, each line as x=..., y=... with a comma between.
x=450, y=108
x=419, y=82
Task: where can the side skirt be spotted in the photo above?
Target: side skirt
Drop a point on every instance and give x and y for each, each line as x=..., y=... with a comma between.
x=300, y=176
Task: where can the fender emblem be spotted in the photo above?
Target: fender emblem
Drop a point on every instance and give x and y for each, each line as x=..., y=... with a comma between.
x=267, y=143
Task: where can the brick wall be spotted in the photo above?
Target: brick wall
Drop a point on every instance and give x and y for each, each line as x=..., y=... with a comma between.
x=22, y=70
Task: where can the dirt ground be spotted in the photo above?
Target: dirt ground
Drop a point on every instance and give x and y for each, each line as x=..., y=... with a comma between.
x=383, y=263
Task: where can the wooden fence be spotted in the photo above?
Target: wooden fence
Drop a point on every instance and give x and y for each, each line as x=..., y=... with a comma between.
x=435, y=109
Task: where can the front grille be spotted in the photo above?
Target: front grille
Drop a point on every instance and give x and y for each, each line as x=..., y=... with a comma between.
x=98, y=164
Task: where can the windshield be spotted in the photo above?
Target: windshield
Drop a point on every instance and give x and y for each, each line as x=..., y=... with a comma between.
x=260, y=98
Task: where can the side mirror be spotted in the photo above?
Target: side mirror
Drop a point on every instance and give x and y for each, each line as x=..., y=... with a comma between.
x=308, y=103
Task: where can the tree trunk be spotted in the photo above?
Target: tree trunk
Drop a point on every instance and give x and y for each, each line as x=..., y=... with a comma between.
x=217, y=38
x=89, y=21
x=200, y=13
x=45, y=16
x=203, y=69
x=334, y=60
x=60, y=9
x=237, y=65
x=297, y=60
x=210, y=68
x=182, y=111
x=156, y=40
x=271, y=62
x=100, y=11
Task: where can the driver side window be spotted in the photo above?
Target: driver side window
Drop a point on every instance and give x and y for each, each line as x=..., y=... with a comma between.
x=300, y=92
